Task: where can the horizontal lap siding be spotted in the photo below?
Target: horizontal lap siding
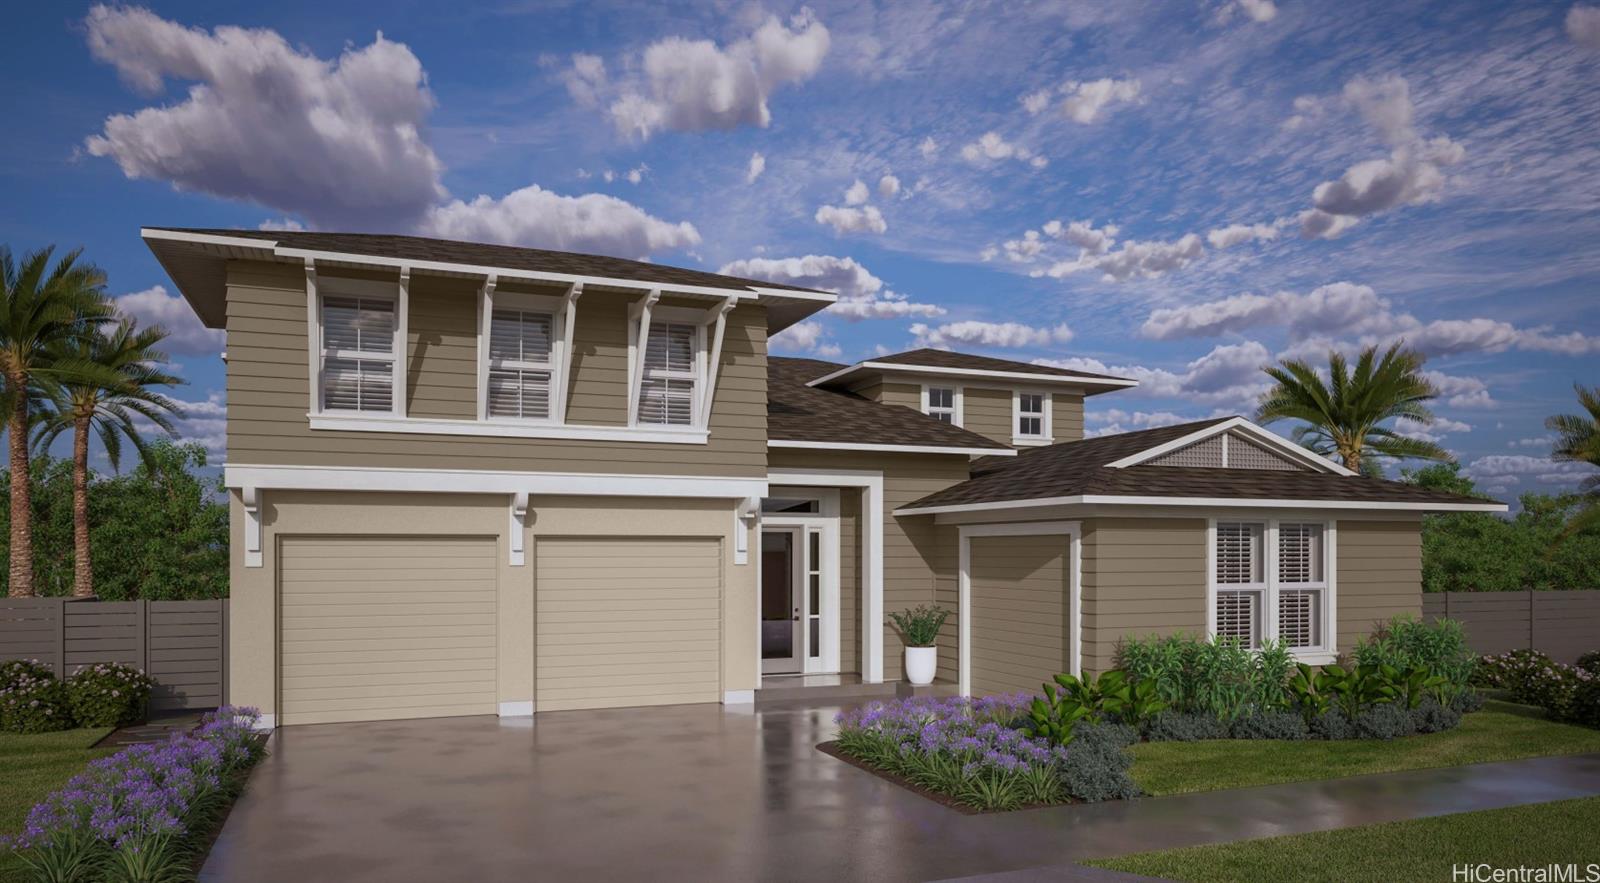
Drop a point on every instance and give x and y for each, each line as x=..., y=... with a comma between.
x=626, y=621
x=987, y=412
x=1019, y=612
x=1141, y=576
x=381, y=628
x=1379, y=575
x=850, y=580
x=1066, y=417
x=268, y=388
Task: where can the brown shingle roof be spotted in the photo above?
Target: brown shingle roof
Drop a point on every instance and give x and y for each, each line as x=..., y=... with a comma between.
x=967, y=362
x=796, y=412
x=448, y=251
x=1079, y=468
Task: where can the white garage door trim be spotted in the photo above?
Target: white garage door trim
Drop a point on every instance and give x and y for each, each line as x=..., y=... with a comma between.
x=442, y=630
x=648, y=632
x=1073, y=530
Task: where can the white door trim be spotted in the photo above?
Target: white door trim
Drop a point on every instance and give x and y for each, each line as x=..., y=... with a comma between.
x=825, y=521
x=872, y=515
x=1073, y=531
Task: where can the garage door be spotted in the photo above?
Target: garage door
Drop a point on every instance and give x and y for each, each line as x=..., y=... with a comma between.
x=381, y=628
x=624, y=622
x=1019, y=612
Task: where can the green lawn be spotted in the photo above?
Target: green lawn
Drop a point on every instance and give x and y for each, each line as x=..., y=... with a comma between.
x=33, y=766
x=1501, y=731
x=1420, y=849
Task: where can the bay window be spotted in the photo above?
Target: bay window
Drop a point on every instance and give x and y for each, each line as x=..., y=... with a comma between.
x=1269, y=581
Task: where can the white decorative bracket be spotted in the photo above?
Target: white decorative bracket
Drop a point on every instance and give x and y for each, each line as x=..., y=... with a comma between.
x=639, y=312
x=402, y=314
x=485, y=320
x=744, y=520
x=719, y=323
x=251, y=498
x=569, y=318
x=519, y=525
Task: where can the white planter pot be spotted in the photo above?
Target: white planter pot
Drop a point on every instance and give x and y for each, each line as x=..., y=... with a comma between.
x=922, y=663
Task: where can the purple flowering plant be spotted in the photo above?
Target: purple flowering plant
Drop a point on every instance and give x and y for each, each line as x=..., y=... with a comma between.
x=970, y=749
x=131, y=816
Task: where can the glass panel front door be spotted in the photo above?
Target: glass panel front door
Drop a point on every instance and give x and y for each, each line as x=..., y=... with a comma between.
x=781, y=579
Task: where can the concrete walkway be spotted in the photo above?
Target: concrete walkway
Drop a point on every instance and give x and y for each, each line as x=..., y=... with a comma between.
x=699, y=793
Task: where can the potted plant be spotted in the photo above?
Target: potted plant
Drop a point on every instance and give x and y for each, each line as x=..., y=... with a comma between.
x=919, y=629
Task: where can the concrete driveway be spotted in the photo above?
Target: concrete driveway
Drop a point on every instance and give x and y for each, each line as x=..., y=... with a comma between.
x=701, y=793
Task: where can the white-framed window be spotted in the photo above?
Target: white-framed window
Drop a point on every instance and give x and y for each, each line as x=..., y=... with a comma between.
x=1030, y=417
x=1270, y=580
x=672, y=374
x=358, y=338
x=521, y=376
x=942, y=403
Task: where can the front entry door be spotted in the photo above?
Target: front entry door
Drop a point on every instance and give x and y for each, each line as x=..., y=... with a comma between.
x=781, y=576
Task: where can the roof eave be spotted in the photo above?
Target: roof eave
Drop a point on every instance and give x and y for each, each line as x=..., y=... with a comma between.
x=1213, y=502
x=1090, y=385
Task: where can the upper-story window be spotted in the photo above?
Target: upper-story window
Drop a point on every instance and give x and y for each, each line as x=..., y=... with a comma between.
x=521, y=368
x=1249, y=583
x=669, y=385
x=1031, y=417
x=358, y=353
x=940, y=403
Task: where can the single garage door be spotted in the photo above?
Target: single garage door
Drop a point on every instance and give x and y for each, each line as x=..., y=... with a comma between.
x=627, y=621
x=381, y=628
x=1019, y=612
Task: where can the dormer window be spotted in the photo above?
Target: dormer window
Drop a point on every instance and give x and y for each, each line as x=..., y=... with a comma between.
x=1030, y=418
x=942, y=403
x=358, y=354
x=668, y=389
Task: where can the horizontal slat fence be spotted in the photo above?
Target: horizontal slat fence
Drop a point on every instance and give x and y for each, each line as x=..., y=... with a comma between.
x=182, y=644
x=1562, y=624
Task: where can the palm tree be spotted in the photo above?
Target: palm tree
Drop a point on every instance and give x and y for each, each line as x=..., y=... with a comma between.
x=1344, y=414
x=1579, y=442
x=39, y=306
x=81, y=404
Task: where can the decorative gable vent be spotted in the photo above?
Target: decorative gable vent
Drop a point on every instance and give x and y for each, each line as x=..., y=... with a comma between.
x=1229, y=450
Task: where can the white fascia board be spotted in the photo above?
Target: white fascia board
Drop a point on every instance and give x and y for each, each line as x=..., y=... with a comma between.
x=1267, y=437
x=890, y=449
x=207, y=239
x=476, y=481
x=1018, y=376
x=1213, y=502
x=790, y=294
x=504, y=429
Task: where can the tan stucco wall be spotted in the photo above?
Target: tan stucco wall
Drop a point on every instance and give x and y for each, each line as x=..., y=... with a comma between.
x=269, y=392
x=1379, y=575
x=1141, y=576
x=919, y=557
x=252, y=657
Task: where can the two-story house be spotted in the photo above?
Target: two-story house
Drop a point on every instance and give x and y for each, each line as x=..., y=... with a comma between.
x=475, y=479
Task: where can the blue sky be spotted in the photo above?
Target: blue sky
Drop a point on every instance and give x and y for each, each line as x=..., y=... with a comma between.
x=1179, y=192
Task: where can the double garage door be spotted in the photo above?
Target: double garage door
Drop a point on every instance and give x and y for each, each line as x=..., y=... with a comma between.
x=384, y=628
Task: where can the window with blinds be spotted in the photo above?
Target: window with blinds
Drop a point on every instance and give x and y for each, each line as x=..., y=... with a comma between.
x=1295, y=590
x=1299, y=554
x=520, y=368
x=358, y=353
x=1300, y=618
x=1239, y=616
x=1030, y=415
x=1238, y=553
x=942, y=404
x=671, y=376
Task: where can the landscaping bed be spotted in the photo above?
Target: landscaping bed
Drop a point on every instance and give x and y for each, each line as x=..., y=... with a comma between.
x=31, y=766
x=1534, y=836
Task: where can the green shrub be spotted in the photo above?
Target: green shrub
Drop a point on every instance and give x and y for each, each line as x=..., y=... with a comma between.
x=108, y=694
x=1431, y=717
x=1585, y=708
x=1590, y=662
x=1389, y=720
x=919, y=626
x=35, y=705
x=1438, y=647
x=1332, y=725
x=15, y=671
x=1183, y=726
x=1271, y=725
x=1467, y=703
x=1220, y=677
x=1096, y=764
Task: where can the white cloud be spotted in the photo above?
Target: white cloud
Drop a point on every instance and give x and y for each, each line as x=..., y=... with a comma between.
x=695, y=85
x=1135, y=259
x=1543, y=441
x=1460, y=391
x=1500, y=469
x=535, y=217
x=758, y=164
x=866, y=219
x=1432, y=432
x=888, y=186
x=1037, y=102
x=1117, y=421
x=806, y=337
x=992, y=148
x=1228, y=375
x=281, y=224
x=1087, y=101
x=154, y=306
x=636, y=174
x=1238, y=234
x=992, y=334
x=1583, y=25
x=1258, y=10
x=856, y=194
x=353, y=125
x=861, y=294
x=928, y=147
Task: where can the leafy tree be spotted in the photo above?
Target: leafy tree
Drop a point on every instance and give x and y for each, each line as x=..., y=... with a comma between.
x=160, y=531
x=82, y=404
x=39, y=307
x=1344, y=415
x=1580, y=443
